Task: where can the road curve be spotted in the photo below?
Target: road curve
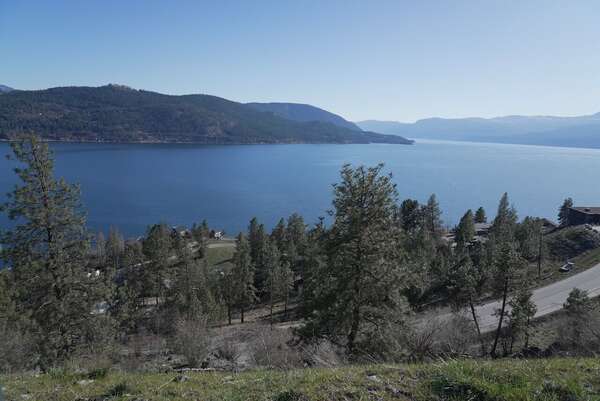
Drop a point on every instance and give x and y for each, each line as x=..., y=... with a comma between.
x=548, y=299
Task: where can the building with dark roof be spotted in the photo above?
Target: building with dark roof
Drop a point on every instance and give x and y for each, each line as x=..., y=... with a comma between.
x=584, y=215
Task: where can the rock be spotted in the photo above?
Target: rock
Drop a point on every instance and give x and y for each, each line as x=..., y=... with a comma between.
x=374, y=378
x=181, y=378
x=85, y=382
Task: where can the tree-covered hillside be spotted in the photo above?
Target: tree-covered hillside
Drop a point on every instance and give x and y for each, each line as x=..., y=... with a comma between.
x=304, y=113
x=115, y=113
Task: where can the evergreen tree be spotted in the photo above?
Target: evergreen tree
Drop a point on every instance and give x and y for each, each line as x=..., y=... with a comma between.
x=480, y=216
x=278, y=235
x=101, y=248
x=259, y=243
x=563, y=212
x=506, y=266
x=504, y=224
x=465, y=231
x=191, y=294
x=272, y=262
x=228, y=291
x=410, y=215
x=465, y=285
x=528, y=235
x=126, y=306
x=432, y=215
x=243, y=272
x=363, y=280
x=47, y=251
x=313, y=269
x=578, y=307
x=523, y=309
x=158, y=250
x=115, y=246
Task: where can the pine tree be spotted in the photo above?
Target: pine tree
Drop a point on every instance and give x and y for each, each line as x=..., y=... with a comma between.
x=563, y=212
x=578, y=307
x=158, y=250
x=272, y=262
x=411, y=215
x=127, y=304
x=465, y=284
x=480, y=216
x=101, y=248
x=432, y=215
x=47, y=251
x=506, y=265
x=363, y=279
x=259, y=243
x=243, y=272
x=523, y=309
x=465, y=231
x=278, y=235
x=503, y=227
x=228, y=291
x=115, y=246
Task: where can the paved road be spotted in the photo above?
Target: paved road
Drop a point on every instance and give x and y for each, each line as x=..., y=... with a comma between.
x=548, y=299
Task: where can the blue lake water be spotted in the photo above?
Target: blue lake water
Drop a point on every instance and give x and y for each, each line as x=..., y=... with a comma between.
x=132, y=186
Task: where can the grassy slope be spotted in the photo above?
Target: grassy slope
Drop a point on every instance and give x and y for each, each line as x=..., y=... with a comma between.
x=553, y=379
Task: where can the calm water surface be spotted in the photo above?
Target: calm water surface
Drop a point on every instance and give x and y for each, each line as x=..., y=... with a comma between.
x=131, y=186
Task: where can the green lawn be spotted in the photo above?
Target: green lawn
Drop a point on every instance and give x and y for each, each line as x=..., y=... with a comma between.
x=552, y=379
x=219, y=256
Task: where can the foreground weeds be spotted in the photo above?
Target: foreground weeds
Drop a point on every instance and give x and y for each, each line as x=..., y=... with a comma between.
x=544, y=380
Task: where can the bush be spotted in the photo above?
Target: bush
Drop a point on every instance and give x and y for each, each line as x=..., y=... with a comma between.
x=192, y=340
x=229, y=351
x=270, y=349
x=17, y=347
x=572, y=241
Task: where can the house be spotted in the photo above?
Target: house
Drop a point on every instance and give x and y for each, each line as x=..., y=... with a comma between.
x=584, y=215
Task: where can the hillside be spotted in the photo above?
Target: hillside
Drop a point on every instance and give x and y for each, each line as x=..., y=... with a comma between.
x=116, y=113
x=5, y=89
x=502, y=380
x=304, y=113
x=581, y=131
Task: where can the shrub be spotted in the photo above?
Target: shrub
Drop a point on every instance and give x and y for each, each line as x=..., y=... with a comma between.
x=572, y=241
x=18, y=349
x=270, y=349
x=192, y=340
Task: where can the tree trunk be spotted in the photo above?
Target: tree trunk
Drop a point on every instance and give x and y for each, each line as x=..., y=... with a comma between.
x=479, y=337
x=229, y=314
x=242, y=315
x=355, y=325
x=502, y=309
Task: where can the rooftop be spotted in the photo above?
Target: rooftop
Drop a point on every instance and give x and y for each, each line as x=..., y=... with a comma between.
x=587, y=209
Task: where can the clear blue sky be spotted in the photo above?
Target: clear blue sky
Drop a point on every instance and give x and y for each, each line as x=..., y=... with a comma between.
x=362, y=59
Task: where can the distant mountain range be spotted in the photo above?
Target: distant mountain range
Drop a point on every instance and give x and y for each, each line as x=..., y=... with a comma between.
x=5, y=89
x=581, y=131
x=116, y=113
x=304, y=113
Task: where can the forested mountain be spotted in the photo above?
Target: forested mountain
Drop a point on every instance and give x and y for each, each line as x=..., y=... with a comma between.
x=304, y=113
x=115, y=113
x=5, y=89
x=581, y=131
